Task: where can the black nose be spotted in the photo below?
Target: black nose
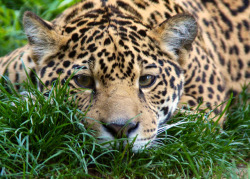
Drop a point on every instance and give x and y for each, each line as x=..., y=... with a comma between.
x=121, y=130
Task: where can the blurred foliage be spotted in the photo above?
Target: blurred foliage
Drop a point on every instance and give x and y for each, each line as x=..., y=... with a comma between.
x=11, y=12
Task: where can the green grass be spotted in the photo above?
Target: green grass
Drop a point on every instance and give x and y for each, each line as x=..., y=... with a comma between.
x=45, y=137
x=11, y=13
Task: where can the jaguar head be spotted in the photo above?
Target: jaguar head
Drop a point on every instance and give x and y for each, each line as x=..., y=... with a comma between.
x=127, y=76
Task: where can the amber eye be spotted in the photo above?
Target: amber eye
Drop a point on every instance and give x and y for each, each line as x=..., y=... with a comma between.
x=146, y=81
x=84, y=81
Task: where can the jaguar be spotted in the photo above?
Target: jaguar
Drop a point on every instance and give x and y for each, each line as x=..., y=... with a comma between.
x=134, y=62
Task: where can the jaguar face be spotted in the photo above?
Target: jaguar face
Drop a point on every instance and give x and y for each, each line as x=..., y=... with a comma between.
x=126, y=76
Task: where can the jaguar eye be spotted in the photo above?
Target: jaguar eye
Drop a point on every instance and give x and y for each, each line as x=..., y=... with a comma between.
x=84, y=81
x=146, y=81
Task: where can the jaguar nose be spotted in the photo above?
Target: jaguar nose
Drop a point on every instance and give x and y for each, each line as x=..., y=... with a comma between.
x=121, y=130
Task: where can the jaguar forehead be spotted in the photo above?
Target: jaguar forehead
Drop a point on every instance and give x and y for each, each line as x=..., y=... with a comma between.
x=118, y=54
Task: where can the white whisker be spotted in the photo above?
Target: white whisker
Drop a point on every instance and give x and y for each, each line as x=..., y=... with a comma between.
x=168, y=126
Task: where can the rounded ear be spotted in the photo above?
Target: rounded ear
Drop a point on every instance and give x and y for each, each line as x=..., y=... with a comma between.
x=41, y=34
x=176, y=33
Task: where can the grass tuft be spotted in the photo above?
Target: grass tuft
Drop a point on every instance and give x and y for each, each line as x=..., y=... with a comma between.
x=43, y=136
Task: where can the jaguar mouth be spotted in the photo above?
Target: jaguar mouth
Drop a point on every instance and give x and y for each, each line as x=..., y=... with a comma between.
x=135, y=143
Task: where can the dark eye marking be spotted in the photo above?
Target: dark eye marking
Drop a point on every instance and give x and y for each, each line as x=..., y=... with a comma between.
x=150, y=66
x=78, y=67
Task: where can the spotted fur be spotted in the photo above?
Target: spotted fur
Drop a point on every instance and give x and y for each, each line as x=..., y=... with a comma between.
x=195, y=51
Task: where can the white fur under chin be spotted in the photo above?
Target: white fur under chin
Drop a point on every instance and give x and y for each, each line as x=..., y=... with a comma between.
x=137, y=145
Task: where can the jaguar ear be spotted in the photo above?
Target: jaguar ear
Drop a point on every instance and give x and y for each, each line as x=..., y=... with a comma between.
x=176, y=34
x=41, y=35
